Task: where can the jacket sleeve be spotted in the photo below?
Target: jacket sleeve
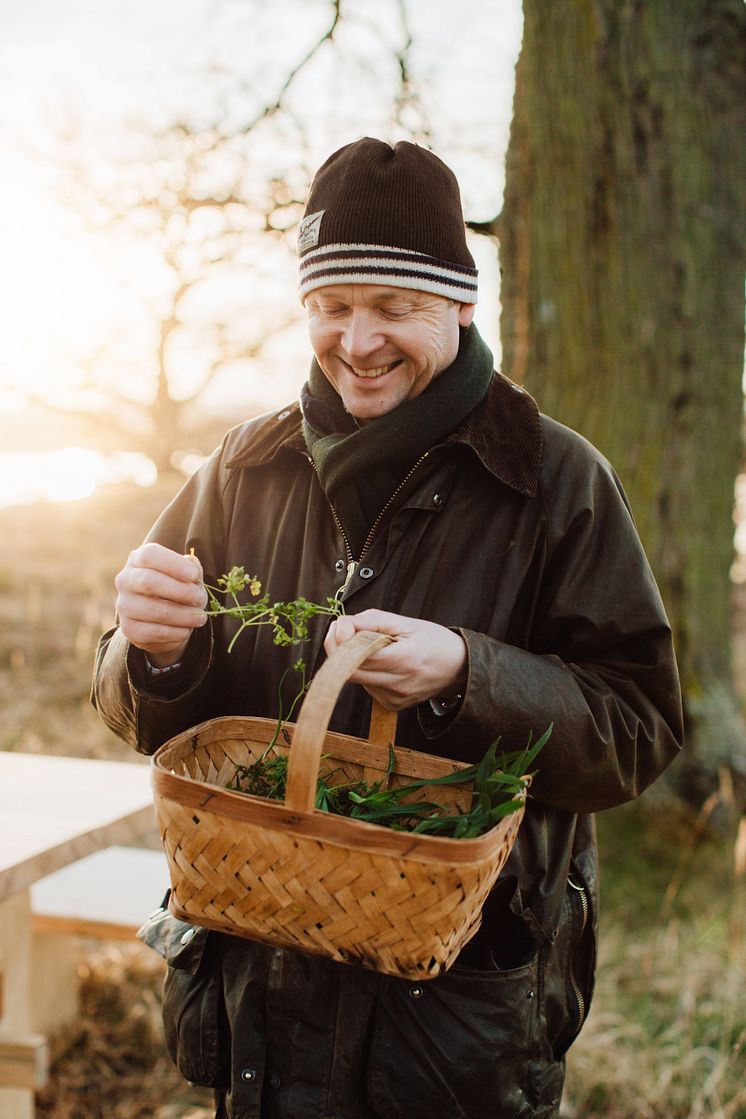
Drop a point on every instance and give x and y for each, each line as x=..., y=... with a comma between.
x=600, y=666
x=145, y=712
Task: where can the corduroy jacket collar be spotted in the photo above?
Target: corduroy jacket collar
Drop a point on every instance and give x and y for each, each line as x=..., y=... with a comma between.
x=504, y=431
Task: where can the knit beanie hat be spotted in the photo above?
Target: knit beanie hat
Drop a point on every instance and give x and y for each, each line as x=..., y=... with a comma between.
x=378, y=214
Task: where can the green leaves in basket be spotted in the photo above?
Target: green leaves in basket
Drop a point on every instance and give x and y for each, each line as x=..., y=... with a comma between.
x=266, y=777
x=499, y=782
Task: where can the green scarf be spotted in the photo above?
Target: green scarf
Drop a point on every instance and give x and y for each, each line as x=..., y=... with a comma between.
x=360, y=466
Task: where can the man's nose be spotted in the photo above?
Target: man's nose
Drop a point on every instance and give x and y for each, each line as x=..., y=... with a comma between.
x=361, y=335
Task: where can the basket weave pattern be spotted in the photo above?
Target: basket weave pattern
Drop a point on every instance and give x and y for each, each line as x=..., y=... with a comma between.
x=295, y=877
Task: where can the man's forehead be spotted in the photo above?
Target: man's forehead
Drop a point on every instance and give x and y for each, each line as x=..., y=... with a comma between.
x=372, y=293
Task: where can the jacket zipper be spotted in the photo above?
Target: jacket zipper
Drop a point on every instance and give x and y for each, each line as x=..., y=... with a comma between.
x=575, y=985
x=352, y=563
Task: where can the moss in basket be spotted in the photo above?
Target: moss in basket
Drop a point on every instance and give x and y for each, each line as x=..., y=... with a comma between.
x=499, y=781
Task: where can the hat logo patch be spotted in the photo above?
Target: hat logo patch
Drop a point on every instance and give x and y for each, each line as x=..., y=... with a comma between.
x=309, y=231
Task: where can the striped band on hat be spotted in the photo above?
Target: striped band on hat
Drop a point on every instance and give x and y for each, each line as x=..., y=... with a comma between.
x=387, y=265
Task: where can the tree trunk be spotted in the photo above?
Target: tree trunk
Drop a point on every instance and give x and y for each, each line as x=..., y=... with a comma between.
x=166, y=421
x=623, y=275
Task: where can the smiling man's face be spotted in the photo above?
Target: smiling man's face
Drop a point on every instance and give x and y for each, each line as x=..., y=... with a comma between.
x=379, y=346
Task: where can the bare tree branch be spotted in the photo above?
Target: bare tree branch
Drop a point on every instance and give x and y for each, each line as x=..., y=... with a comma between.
x=230, y=353
x=408, y=96
x=491, y=228
x=274, y=106
x=151, y=193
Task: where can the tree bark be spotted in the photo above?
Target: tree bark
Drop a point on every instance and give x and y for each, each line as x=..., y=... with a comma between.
x=622, y=261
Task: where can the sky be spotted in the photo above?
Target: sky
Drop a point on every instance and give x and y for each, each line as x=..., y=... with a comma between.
x=73, y=73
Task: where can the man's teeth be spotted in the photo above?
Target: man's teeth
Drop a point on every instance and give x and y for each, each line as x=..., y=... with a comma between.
x=372, y=373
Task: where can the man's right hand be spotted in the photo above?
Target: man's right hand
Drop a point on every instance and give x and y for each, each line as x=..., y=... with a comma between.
x=161, y=599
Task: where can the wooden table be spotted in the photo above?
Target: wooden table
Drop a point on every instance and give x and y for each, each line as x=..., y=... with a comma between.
x=53, y=811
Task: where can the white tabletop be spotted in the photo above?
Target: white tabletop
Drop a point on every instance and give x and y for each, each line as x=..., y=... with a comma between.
x=54, y=810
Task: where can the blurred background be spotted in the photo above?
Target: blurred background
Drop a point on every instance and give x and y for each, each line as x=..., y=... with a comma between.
x=154, y=159
x=155, y=163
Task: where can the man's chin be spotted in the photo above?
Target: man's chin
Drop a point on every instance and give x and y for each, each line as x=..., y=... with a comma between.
x=365, y=411
x=367, y=403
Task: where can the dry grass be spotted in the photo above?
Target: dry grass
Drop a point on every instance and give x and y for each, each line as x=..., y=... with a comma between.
x=56, y=598
x=666, y=1037
x=112, y=1064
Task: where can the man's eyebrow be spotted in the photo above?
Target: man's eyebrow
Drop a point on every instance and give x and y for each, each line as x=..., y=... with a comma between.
x=325, y=298
x=396, y=299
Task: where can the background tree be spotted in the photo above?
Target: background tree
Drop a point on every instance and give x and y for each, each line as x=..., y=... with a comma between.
x=621, y=248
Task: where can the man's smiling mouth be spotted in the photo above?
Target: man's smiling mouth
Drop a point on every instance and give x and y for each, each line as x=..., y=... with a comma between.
x=378, y=371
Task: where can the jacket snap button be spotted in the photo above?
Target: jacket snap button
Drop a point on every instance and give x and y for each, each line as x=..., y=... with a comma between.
x=437, y=499
x=248, y=1074
x=366, y=572
x=274, y=1081
x=339, y=566
x=284, y=415
x=188, y=936
x=416, y=992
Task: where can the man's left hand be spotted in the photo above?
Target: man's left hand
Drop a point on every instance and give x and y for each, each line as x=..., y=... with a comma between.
x=424, y=661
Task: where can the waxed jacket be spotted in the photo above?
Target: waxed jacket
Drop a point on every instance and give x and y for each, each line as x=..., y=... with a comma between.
x=515, y=532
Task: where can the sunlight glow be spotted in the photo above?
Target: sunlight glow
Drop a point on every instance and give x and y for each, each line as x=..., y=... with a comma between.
x=67, y=474
x=88, y=94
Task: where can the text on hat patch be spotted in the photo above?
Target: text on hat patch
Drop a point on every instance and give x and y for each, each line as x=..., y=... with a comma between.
x=309, y=230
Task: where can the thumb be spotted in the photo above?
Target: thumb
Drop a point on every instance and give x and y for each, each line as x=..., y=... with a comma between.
x=380, y=621
x=341, y=630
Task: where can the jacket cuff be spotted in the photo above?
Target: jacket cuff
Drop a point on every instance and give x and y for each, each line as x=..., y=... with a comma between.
x=435, y=725
x=166, y=705
x=170, y=685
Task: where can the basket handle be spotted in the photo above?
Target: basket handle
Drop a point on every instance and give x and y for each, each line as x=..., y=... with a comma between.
x=313, y=720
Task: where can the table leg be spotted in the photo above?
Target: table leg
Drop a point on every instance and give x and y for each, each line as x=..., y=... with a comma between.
x=23, y=1055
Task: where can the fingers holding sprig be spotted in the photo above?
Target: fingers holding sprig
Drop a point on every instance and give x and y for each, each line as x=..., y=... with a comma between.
x=161, y=600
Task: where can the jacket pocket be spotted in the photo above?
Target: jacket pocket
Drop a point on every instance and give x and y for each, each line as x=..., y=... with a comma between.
x=459, y=1046
x=570, y=967
x=192, y=1005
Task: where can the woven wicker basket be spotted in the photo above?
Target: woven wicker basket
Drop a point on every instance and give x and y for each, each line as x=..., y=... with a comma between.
x=291, y=876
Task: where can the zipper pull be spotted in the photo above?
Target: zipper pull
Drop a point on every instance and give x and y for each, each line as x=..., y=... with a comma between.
x=352, y=567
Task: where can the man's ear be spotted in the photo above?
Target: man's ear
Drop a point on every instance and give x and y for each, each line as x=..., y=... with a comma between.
x=466, y=313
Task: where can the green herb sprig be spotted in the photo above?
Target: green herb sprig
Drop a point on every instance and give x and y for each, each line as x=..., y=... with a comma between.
x=289, y=620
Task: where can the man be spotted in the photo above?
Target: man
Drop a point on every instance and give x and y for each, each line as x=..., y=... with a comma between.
x=497, y=549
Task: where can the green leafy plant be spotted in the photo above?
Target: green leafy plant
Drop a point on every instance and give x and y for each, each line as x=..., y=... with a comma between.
x=289, y=620
x=499, y=782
